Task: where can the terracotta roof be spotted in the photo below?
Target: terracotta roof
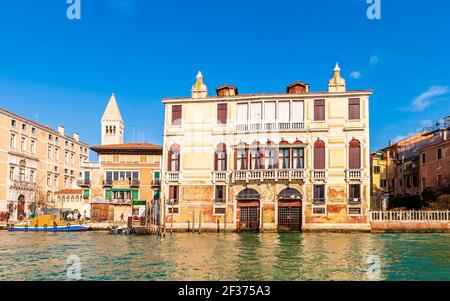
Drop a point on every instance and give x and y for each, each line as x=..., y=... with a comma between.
x=127, y=147
x=69, y=191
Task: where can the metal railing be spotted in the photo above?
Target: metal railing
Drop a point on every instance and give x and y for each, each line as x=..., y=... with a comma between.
x=268, y=174
x=443, y=216
x=156, y=182
x=84, y=182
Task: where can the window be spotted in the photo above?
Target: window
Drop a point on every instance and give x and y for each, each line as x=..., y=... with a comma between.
x=174, y=158
x=242, y=113
x=33, y=131
x=285, y=158
x=49, y=180
x=57, y=153
x=11, y=173
x=255, y=112
x=319, y=110
x=319, y=155
x=319, y=194
x=424, y=159
x=376, y=169
x=354, y=109
x=12, y=141
x=56, y=140
x=270, y=112
x=24, y=127
x=415, y=180
x=66, y=157
x=354, y=154
x=219, y=194
x=297, y=114
x=50, y=137
x=354, y=211
x=439, y=153
x=220, y=158
x=383, y=183
x=222, y=112
x=23, y=144
x=355, y=193
x=271, y=158
x=33, y=147
x=256, y=158
x=176, y=115
x=299, y=158
x=319, y=210
x=284, y=111
x=241, y=159
x=49, y=152
x=173, y=195
x=13, y=123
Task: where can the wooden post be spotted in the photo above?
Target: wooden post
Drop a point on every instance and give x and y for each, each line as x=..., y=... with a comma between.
x=200, y=221
x=218, y=226
x=193, y=221
x=171, y=222
x=189, y=226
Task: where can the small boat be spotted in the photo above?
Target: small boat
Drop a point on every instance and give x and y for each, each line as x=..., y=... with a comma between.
x=47, y=223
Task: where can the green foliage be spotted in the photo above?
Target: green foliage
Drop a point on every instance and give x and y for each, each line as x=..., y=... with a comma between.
x=409, y=202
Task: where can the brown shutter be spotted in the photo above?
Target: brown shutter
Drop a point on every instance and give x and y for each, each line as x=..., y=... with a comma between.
x=171, y=192
x=319, y=155
x=319, y=109
x=235, y=159
x=354, y=155
x=169, y=161
x=354, y=108
x=222, y=113
x=216, y=157
x=176, y=115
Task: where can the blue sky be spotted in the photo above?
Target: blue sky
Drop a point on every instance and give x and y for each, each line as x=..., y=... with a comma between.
x=59, y=71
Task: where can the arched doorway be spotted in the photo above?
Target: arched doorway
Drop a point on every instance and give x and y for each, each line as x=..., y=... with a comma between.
x=248, y=212
x=289, y=210
x=21, y=208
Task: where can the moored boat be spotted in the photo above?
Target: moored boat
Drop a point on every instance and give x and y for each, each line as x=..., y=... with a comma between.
x=47, y=223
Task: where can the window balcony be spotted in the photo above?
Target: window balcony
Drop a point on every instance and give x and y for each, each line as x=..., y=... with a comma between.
x=319, y=174
x=219, y=176
x=22, y=184
x=268, y=174
x=270, y=126
x=135, y=182
x=173, y=176
x=354, y=201
x=354, y=174
x=156, y=183
x=84, y=183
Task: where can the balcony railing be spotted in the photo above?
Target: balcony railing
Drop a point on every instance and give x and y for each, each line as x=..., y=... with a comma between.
x=84, y=183
x=443, y=216
x=319, y=174
x=270, y=126
x=173, y=176
x=354, y=201
x=132, y=182
x=23, y=184
x=268, y=174
x=121, y=201
x=135, y=182
x=156, y=182
x=354, y=174
x=219, y=176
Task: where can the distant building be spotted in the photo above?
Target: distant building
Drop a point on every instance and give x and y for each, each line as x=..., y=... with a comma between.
x=127, y=178
x=267, y=162
x=36, y=162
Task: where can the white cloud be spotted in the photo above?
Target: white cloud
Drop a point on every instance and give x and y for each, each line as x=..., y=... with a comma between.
x=355, y=75
x=373, y=60
x=427, y=98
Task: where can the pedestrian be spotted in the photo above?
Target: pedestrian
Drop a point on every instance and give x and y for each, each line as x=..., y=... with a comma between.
x=79, y=216
x=7, y=216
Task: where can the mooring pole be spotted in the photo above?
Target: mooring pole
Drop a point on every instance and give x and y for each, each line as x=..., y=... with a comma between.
x=199, y=221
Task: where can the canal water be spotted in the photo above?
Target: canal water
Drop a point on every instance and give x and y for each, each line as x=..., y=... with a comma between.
x=191, y=256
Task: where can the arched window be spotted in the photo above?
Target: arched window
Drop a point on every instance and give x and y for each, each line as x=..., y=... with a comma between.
x=248, y=194
x=319, y=154
x=241, y=157
x=174, y=158
x=220, y=157
x=354, y=154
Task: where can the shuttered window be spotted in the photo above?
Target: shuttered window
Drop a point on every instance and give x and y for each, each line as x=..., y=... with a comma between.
x=135, y=195
x=173, y=194
x=297, y=111
x=354, y=154
x=108, y=194
x=354, y=109
x=176, y=115
x=269, y=111
x=319, y=155
x=283, y=111
x=319, y=109
x=242, y=113
x=174, y=158
x=256, y=112
x=222, y=111
x=220, y=158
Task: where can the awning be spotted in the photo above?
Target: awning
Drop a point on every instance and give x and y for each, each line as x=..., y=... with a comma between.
x=121, y=190
x=139, y=203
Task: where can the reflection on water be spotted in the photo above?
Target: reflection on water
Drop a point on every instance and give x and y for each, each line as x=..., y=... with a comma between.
x=189, y=256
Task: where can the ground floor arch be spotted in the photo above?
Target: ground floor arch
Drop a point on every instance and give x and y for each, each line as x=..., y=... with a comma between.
x=289, y=210
x=21, y=214
x=248, y=212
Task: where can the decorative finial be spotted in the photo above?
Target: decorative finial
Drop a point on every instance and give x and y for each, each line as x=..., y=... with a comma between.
x=337, y=68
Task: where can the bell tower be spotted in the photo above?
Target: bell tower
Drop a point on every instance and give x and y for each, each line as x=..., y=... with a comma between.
x=112, y=124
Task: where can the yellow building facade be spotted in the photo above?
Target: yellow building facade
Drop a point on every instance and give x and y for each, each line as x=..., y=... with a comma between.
x=36, y=162
x=265, y=162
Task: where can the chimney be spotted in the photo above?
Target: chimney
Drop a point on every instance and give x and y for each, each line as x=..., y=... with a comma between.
x=297, y=88
x=76, y=136
x=61, y=130
x=227, y=90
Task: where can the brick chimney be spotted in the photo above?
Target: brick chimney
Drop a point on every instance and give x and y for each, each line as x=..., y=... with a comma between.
x=297, y=88
x=227, y=90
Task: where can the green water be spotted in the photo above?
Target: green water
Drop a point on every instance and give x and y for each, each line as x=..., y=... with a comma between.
x=43, y=256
